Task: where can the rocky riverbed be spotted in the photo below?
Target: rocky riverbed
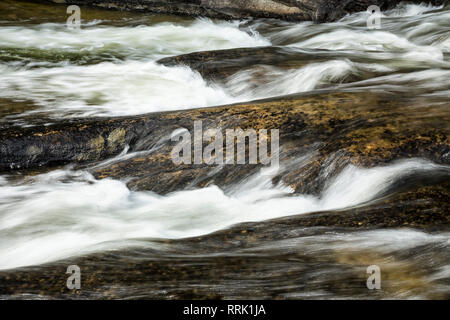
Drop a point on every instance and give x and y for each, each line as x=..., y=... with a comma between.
x=87, y=177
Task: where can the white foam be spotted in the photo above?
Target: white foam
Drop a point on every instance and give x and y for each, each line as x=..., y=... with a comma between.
x=137, y=87
x=147, y=42
x=277, y=82
x=52, y=219
x=410, y=10
x=366, y=40
x=107, y=88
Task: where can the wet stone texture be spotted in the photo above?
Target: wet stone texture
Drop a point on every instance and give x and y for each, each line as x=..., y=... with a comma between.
x=218, y=65
x=221, y=66
x=299, y=10
x=319, y=135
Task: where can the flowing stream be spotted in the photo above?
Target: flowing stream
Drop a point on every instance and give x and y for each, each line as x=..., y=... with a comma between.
x=109, y=68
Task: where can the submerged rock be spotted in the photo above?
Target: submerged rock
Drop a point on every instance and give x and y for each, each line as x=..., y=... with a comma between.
x=256, y=63
x=300, y=10
x=217, y=65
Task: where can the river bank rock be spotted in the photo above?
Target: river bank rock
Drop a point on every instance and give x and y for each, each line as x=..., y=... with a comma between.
x=299, y=10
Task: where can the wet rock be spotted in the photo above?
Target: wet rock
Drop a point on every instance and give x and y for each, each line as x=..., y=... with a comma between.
x=320, y=133
x=229, y=263
x=217, y=65
x=257, y=64
x=61, y=143
x=300, y=10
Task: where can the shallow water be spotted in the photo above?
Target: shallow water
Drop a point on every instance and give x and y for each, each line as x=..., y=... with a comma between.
x=109, y=68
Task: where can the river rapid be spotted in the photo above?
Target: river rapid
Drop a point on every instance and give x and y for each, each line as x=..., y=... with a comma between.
x=109, y=68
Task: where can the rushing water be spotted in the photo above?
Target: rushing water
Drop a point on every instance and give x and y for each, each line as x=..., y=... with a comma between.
x=51, y=219
x=108, y=67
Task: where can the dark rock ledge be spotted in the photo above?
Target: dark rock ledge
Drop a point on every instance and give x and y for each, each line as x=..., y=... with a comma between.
x=325, y=130
x=298, y=10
